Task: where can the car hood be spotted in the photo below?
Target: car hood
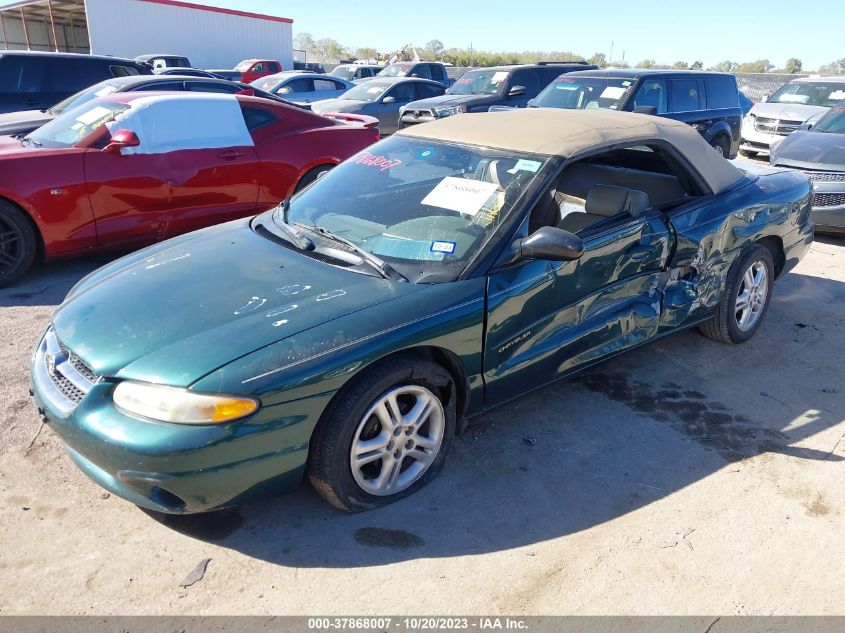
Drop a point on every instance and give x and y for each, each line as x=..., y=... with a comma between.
x=175, y=312
x=337, y=105
x=787, y=111
x=451, y=100
x=16, y=122
x=11, y=148
x=812, y=150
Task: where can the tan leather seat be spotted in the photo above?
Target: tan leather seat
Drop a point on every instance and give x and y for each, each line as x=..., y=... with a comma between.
x=605, y=201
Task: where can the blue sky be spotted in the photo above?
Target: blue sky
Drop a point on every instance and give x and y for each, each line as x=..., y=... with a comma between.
x=713, y=30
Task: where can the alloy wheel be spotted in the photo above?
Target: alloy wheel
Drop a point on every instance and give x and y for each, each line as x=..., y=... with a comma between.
x=397, y=440
x=11, y=247
x=751, y=297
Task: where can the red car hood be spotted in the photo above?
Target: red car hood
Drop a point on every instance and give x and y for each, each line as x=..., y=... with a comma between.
x=12, y=147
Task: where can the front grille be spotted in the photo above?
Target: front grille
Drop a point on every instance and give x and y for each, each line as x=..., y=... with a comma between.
x=776, y=126
x=828, y=200
x=826, y=176
x=61, y=377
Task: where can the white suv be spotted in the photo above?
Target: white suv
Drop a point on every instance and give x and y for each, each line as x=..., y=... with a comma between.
x=792, y=105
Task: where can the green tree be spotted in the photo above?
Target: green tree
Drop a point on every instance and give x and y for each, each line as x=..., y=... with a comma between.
x=680, y=66
x=619, y=63
x=726, y=66
x=793, y=66
x=598, y=59
x=833, y=68
x=329, y=50
x=759, y=66
x=434, y=50
x=304, y=42
x=646, y=63
x=366, y=53
x=697, y=65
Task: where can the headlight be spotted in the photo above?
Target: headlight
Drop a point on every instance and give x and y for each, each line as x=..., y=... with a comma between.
x=171, y=404
x=441, y=112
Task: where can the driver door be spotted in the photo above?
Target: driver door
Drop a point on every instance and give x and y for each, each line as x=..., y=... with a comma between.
x=388, y=113
x=546, y=318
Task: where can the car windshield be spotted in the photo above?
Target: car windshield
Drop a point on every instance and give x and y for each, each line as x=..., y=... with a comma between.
x=370, y=91
x=833, y=121
x=814, y=93
x=479, y=82
x=102, y=89
x=574, y=93
x=395, y=70
x=425, y=207
x=75, y=124
x=344, y=72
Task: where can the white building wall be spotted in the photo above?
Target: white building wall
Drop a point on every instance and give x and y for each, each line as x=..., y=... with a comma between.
x=41, y=36
x=127, y=28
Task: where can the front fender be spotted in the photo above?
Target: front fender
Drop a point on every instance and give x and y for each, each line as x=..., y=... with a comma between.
x=325, y=358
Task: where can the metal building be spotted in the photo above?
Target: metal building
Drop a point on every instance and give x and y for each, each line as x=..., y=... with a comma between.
x=211, y=37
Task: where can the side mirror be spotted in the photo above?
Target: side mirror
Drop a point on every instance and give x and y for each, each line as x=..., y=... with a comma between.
x=550, y=243
x=414, y=75
x=121, y=139
x=516, y=91
x=804, y=127
x=652, y=110
x=532, y=103
x=387, y=100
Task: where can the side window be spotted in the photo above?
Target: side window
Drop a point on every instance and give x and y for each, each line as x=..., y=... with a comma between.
x=256, y=118
x=258, y=68
x=684, y=95
x=327, y=84
x=159, y=85
x=275, y=68
x=404, y=92
x=71, y=75
x=211, y=86
x=437, y=73
x=652, y=93
x=296, y=85
x=124, y=71
x=21, y=74
x=425, y=91
x=423, y=71
x=549, y=74
x=528, y=78
x=722, y=92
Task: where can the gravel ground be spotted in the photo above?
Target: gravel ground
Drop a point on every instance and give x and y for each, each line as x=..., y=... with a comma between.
x=684, y=478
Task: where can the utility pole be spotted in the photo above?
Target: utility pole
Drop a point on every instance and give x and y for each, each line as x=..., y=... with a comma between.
x=610, y=59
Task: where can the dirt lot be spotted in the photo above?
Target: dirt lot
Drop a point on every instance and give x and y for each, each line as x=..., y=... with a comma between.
x=687, y=478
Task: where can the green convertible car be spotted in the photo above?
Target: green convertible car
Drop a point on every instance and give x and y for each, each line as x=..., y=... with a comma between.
x=350, y=333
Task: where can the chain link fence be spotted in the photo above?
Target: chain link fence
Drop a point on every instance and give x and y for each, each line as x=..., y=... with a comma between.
x=756, y=86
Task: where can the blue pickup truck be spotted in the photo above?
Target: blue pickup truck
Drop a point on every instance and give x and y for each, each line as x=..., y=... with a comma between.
x=479, y=90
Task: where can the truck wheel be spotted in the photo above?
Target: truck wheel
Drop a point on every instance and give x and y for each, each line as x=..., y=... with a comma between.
x=746, y=298
x=721, y=144
x=18, y=243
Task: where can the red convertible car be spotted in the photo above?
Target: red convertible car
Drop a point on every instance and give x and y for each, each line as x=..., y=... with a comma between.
x=129, y=169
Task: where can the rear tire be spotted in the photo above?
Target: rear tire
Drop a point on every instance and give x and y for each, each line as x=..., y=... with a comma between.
x=370, y=448
x=18, y=243
x=721, y=144
x=312, y=175
x=746, y=298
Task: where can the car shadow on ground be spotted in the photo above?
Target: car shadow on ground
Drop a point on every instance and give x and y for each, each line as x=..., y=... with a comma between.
x=585, y=450
x=48, y=284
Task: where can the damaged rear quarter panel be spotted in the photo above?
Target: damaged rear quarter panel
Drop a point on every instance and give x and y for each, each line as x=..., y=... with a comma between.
x=711, y=236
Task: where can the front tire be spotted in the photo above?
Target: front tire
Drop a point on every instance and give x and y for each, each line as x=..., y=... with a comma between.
x=746, y=298
x=385, y=436
x=18, y=244
x=722, y=145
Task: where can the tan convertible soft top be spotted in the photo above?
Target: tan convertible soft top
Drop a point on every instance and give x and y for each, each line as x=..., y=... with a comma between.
x=570, y=133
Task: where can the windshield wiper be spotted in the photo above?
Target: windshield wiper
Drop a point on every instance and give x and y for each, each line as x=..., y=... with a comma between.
x=387, y=271
x=302, y=242
x=31, y=141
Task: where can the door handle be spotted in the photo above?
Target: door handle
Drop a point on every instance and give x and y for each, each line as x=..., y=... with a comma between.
x=230, y=154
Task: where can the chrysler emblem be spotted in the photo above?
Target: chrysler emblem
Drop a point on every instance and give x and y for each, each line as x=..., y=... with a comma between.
x=50, y=359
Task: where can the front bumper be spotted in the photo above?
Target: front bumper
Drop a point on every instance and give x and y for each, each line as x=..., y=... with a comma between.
x=828, y=210
x=415, y=117
x=755, y=141
x=180, y=468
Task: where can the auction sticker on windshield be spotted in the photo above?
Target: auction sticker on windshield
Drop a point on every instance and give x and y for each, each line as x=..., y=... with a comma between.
x=460, y=194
